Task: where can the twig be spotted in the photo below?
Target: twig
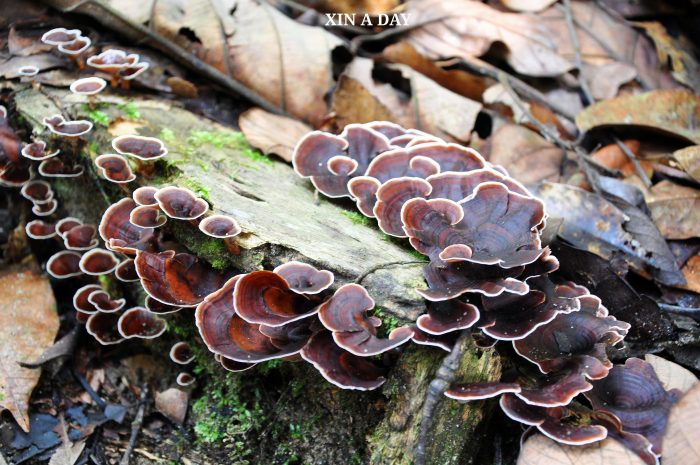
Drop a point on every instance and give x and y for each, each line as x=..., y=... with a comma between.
x=568, y=14
x=443, y=378
x=371, y=270
x=635, y=162
x=584, y=161
x=136, y=426
x=91, y=392
x=679, y=309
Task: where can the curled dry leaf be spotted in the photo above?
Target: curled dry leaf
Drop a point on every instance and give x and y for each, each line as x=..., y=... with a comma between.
x=689, y=159
x=539, y=449
x=671, y=375
x=173, y=404
x=359, y=98
x=682, y=439
x=272, y=133
x=27, y=306
x=675, y=112
x=525, y=154
x=675, y=209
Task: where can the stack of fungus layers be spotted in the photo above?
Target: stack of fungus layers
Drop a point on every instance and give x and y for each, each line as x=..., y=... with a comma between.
x=487, y=269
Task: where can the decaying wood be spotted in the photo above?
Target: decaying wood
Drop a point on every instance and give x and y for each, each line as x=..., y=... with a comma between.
x=281, y=221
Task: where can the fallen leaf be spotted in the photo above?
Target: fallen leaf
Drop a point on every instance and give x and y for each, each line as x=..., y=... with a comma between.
x=372, y=7
x=527, y=5
x=525, y=154
x=272, y=133
x=611, y=156
x=691, y=271
x=359, y=98
x=26, y=42
x=28, y=326
x=456, y=80
x=67, y=454
x=689, y=159
x=465, y=28
x=671, y=375
x=676, y=112
x=498, y=94
x=605, y=80
x=173, y=404
x=682, y=438
x=675, y=209
x=539, y=449
x=599, y=226
x=677, y=52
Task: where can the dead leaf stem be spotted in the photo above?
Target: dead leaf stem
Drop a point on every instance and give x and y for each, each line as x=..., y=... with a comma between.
x=136, y=426
x=568, y=15
x=635, y=162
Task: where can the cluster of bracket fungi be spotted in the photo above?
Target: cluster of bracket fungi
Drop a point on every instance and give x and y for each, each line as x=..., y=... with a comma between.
x=488, y=273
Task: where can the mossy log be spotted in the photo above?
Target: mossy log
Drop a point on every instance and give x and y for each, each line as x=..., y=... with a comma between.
x=282, y=219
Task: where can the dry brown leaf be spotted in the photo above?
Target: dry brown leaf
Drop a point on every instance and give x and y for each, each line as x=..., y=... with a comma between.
x=605, y=80
x=461, y=82
x=465, y=28
x=612, y=156
x=689, y=159
x=672, y=111
x=358, y=98
x=527, y=5
x=691, y=271
x=67, y=454
x=352, y=6
x=173, y=404
x=675, y=209
x=28, y=326
x=675, y=51
x=286, y=62
x=682, y=439
x=272, y=133
x=671, y=375
x=540, y=450
x=527, y=156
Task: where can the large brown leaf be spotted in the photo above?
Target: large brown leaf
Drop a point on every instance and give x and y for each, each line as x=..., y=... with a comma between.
x=675, y=209
x=28, y=326
x=465, y=28
x=682, y=439
x=359, y=98
x=272, y=133
x=284, y=61
x=539, y=450
x=671, y=111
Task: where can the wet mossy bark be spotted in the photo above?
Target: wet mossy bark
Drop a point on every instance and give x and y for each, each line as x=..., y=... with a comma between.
x=282, y=220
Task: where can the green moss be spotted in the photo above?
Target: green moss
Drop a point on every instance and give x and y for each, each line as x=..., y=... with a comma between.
x=266, y=367
x=228, y=139
x=130, y=110
x=197, y=188
x=356, y=218
x=167, y=135
x=389, y=322
x=99, y=117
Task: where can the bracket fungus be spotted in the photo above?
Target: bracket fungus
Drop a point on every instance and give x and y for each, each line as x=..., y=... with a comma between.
x=56, y=168
x=141, y=147
x=98, y=262
x=138, y=322
x=45, y=209
x=58, y=125
x=80, y=237
x=37, y=192
x=145, y=195
x=37, y=151
x=126, y=271
x=180, y=203
x=181, y=353
x=64, y=264
x=38, y=229
x=104, y=303
x=60, y=35
x=147, y=216
x=66, y=224
x=158, y=307
x=115, y=168
x=120, y=234
x=103, y=327
x=185, y=379
x=304, y=278
x=80, y=299
x=88, y=86
x=220, y=226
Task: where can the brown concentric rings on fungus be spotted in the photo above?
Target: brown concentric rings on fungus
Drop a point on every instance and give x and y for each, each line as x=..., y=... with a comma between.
x=147, y=216
x=98, y=262
x=45, y=209
x=64, y=264
x=633, y=393
x=76, y=46
x=66, y=224
x=80, y=299
x=180, y=203
x=341, y=367
x=60, y=35
x=264, y=297
x=141, y=147
x=115, y=168
x=160, y=308
x=103, y=302
x=81, y=237
x=37, y=192
x=445, y=317
x=134, y=70
x=37, y=229
x=181, y=353
x=126, y=271
x=145, y=195
x=179, y=279
x=103, y=327
x=552, y=422
x=37, y=151
x=346, y=315
x=120, y=235
x=56, y=168
x=88, y=86
x=185, y=379
x=220, y=226
x=304, y=278
x=58, y=125
x=137, y=322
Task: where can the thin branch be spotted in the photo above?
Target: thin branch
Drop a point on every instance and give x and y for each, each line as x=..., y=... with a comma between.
x=136, y=426
x=443, y=378
x=635, y=162
x=568, y=14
